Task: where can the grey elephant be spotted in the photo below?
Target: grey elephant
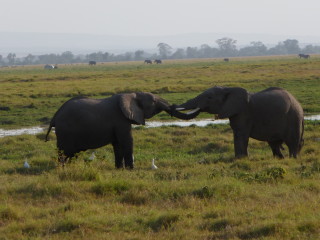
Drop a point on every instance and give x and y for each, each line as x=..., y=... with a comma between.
x=83, y=123
x=272, y=115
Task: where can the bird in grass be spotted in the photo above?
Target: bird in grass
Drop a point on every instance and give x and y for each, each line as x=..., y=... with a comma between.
x=93, y=156
x=153, y=166
x=26, y=164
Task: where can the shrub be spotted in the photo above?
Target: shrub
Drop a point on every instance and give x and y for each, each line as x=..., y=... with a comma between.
x=259, y=232
x=164, y=221
x=115, y=187
x=80, y=174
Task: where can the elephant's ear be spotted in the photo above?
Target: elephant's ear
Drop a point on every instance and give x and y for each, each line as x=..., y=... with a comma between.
x=236, y=100
x=131, y=109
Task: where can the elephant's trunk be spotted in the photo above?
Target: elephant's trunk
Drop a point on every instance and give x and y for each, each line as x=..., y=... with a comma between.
x=191, y=104
x=184, y=116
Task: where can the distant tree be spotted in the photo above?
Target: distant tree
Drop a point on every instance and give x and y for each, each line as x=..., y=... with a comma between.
x=164, y=50
x=106, y=56
x=138, y=55
x=291, y=46
x=279, y=49
x=205, y=51
x=227, y=47
x=11, y=58
x=29, y=59
x=1, y=59
x=67, y=57
x=311, y=49
x=179, y=54
x=256, y=49
x=192, y=52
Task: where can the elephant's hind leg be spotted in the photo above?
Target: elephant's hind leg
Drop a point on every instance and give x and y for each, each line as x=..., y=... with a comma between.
x=62, y=158
x=276, y=148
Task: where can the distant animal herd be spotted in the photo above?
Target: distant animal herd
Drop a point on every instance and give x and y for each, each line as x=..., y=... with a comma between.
x=159, y=61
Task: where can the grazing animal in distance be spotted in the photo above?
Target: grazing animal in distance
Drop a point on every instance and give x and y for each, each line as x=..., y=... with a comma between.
x=305, y=56
x=91, y=63
x=147, y=61
x=157, y=61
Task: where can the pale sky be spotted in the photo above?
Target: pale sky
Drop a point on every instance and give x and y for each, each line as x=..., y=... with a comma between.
x=161, y=17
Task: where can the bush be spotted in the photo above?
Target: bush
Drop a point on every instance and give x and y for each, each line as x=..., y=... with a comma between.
x=115, y=187
x=163, y=222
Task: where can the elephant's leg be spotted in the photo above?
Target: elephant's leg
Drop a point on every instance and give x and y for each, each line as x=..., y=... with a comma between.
x=276, y=148
x=125, y=141
x=118, y=155
x=293, y=141
x=240, y=140
x=293, y=147
x=128, y=153
x=63, y=158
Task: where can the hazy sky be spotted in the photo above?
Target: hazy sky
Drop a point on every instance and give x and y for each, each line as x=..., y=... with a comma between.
x=161, y=17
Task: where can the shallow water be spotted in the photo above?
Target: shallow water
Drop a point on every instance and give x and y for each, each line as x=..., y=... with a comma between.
x=150, y=124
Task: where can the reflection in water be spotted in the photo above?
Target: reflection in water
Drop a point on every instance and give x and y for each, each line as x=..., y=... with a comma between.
x=150, y=124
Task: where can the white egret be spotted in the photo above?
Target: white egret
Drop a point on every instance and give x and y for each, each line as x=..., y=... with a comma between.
x=26, y=164
x=153, y=166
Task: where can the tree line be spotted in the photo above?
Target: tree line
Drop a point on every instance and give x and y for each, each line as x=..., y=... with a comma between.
x=226, y=47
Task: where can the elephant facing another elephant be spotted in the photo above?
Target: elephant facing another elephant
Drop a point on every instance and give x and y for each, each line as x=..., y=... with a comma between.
x=84, y=123
x=272, y=115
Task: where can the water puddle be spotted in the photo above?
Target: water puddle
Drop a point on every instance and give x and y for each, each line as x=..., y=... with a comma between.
x=17, y=132
x=150, y=124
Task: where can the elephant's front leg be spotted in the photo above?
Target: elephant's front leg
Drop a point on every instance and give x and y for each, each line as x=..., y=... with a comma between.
x=125, y=141
x=240, y=140
x=118, y=155
x=128, y=153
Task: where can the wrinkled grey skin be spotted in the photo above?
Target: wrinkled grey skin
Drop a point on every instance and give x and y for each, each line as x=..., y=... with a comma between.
x=272, y=115
x=83, y=123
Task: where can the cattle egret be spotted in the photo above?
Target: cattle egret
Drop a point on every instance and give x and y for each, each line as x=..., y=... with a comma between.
x=26, y=164
x=153, y=166
x=93, y=156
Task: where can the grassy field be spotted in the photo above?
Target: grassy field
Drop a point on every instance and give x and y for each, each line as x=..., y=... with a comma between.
x=199, y=191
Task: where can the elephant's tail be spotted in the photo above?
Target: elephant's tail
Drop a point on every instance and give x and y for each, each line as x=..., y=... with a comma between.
x=52, y=124
x=301, y=143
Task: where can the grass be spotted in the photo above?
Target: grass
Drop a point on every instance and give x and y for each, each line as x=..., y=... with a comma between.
x=199, y=191
x=30, y=95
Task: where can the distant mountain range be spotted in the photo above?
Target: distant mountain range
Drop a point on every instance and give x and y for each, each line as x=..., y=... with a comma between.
x=44, y=43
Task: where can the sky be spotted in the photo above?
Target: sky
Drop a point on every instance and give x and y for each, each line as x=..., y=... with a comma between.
x=163, y=17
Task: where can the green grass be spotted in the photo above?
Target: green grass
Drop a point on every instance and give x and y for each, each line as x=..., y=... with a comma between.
x=32, y=94
x=199, y=191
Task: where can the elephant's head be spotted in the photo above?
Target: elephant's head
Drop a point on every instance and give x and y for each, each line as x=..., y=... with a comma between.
x=224, y=101
x=141, y=105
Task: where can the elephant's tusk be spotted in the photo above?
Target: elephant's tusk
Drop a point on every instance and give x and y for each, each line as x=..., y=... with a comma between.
x=180, y=109
x=193, y=111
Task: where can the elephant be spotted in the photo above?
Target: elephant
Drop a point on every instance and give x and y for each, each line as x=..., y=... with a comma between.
x=301, y=55
x=148, y=61
x=157, y=61
x=83, y=123
x=91, y=63
x=272, y=115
